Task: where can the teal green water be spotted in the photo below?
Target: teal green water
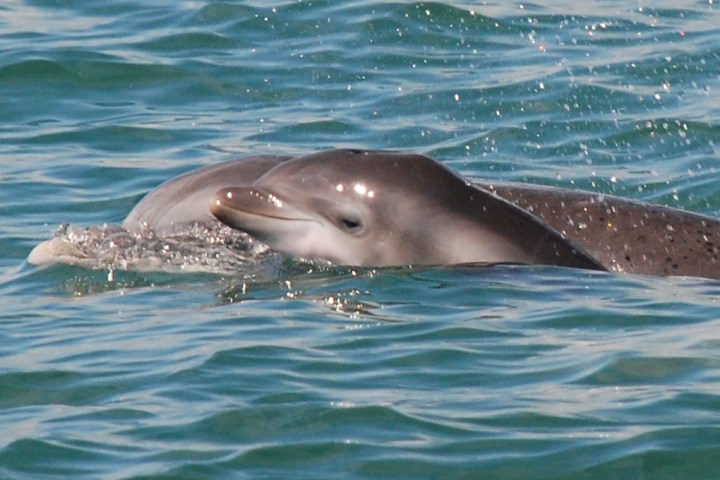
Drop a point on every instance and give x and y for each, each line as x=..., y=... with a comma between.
x=453, y=373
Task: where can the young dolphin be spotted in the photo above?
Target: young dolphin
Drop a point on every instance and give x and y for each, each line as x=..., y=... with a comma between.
x=381, y=208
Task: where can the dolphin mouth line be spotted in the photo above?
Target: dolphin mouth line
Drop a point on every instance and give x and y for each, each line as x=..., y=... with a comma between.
x=249, y=211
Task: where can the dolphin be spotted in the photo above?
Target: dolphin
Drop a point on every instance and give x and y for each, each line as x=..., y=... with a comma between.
x=379, y=208
x=172, y=209
x=626, y=236
x=384, y=208
x=185, y=199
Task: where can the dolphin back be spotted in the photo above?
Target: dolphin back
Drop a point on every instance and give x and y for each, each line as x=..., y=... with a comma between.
x=626, y=236
x=186, y=199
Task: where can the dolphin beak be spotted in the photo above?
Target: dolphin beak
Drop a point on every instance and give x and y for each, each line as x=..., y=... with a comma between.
x=246, y=208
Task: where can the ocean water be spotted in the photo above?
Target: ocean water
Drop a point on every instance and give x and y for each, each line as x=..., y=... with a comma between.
x=454, y=373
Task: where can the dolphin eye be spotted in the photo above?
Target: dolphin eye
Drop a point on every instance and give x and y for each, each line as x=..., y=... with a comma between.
x=351, y=225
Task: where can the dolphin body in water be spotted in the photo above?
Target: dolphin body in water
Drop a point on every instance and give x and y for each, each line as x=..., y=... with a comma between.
x=186, y=199
x=624, y=235
x=379, y=208
x=171, y=228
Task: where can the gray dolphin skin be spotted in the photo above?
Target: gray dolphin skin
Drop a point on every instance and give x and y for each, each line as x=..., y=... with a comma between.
x=378, y=208
x=626, y=236
x=381, y=208
x=185, y=199
x=384, y=208
x=172, y=208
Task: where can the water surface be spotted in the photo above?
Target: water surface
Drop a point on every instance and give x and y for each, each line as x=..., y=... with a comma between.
x=504, y=372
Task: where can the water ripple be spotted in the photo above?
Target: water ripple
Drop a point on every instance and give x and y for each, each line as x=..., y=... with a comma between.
x=332, y=372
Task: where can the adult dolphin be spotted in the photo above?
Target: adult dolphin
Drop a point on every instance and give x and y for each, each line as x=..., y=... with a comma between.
x=173, y=208
x=381, y=208
x=185, y=199
x=626, y=236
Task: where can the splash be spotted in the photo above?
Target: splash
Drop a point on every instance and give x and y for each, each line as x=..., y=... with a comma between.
x=195, y=248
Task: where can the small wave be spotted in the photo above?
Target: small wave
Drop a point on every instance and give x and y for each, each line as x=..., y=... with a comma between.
x=196, y=248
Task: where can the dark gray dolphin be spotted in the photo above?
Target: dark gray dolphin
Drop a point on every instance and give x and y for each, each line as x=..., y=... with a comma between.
x=380, y=208
x=624, y=235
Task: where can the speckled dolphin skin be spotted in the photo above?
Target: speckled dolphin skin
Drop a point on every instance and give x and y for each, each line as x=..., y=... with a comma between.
x=624, y=235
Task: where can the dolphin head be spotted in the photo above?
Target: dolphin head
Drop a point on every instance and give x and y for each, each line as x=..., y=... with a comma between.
x=341, y=206
x=381, y=208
